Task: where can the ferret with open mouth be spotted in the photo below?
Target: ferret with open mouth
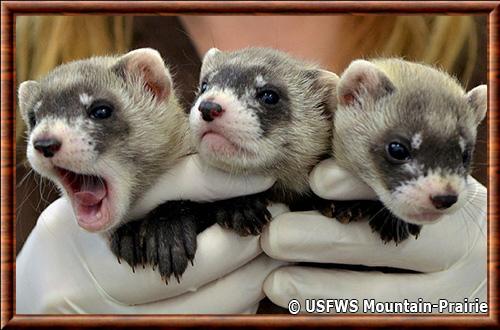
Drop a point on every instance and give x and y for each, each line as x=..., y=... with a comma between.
x=103, y=129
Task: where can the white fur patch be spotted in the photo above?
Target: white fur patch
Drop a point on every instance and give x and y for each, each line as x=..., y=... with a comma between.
x=414, y=168
x=461, y=143
x=260, y=81
x=86, y=99
x=416, y=141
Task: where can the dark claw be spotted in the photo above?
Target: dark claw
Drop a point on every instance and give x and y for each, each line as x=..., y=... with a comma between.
x=123, y=244
x=164, y=254
x=388, y=226
x=348, y=211
x=391, y=228
x=165, y=239
x=245, y=215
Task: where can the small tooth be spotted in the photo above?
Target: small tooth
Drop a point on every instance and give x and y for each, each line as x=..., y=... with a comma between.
x=98, y=215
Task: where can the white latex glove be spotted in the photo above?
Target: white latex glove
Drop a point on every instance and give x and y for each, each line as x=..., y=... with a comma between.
x=450, y=254
x=64, y=269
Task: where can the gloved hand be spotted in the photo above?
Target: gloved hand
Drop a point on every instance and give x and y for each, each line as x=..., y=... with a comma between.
x=449, y=255
x=64, y=269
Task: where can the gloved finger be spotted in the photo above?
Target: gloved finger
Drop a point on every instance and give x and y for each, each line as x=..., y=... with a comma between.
x=236, y=293
x=192, y=179
x=301, y=283
x=277, y=209
x=309, y=236
x=330, y=181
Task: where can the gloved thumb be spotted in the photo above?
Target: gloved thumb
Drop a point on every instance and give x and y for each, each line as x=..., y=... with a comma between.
x=330, y=181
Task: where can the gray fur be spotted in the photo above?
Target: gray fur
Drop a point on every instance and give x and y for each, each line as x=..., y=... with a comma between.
x=296, y=131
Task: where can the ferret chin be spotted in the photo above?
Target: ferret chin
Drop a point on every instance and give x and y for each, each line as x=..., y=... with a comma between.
x=103, y=129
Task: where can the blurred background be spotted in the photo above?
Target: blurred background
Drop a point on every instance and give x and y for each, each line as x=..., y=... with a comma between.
x=455, y=43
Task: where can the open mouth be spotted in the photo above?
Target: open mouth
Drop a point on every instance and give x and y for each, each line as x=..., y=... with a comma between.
x=89, y=197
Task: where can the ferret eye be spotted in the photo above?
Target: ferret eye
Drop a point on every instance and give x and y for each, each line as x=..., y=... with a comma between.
x=268, y=97
x=466, y=157
x=100, y=111
x=397, y=153
x=203, y=87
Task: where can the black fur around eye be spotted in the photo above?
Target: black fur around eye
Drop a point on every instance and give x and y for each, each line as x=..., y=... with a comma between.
x=203, y=87
x=100, y=111
x=466, y=157
x=268, y=97
x=32, y=119
x=397, y=153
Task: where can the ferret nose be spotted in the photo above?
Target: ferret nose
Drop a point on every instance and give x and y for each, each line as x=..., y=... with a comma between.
x=442, y=202
x=209, y=110
x=48, y=147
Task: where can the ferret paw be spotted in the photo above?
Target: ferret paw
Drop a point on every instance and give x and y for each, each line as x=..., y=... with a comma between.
x=245, y=215
x=391, y=228
x=348, y=211
x=165, y=239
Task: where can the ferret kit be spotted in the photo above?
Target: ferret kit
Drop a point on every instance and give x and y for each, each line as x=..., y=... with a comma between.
x=408, y=131
x=103, y=129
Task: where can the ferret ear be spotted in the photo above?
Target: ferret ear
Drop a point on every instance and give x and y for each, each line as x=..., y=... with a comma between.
x=211, y=54
x=208, y=60
x=328, y=81
x=362, y=80
x=28, y=91
x=147, y=65
x=478, y=100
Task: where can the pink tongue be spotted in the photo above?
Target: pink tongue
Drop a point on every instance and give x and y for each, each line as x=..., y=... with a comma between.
x=91, y=194
x=89, y=198
x=91, y=209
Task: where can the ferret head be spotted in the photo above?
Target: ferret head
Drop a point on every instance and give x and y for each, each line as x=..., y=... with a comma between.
x=409, y=131
x=259, y=110
x=99, y=128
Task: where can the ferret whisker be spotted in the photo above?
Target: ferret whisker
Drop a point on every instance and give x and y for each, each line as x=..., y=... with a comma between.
x=474, y=219
x=20, y=206
x=25, y=177
x=43, y=185
x=476, y=207
x=465, y=225
x=24, y=163
x=377, y=213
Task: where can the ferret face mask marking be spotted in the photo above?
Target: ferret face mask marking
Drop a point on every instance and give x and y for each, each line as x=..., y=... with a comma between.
x=249, y=104
x=79, y=132
x=418, y=128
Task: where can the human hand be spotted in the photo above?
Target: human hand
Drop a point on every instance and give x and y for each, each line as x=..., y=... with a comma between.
x=64, y=269
x=449, y=256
